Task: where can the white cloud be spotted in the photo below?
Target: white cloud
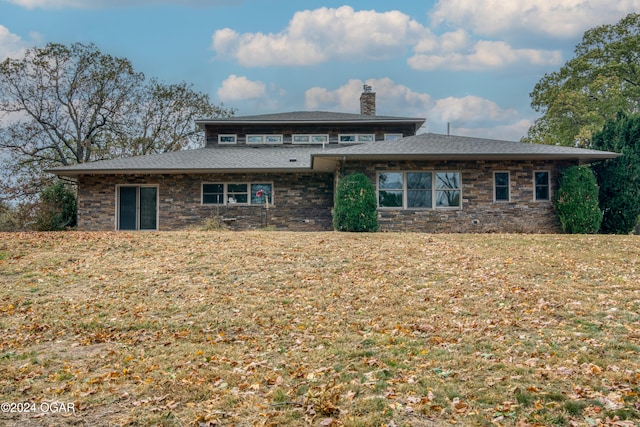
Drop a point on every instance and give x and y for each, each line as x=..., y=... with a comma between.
x=97, y=4
x=468, y=116
x=469, y=110
x=483, y=55
x=316, y=36
x=11, y=45
x=239, y=88
x=557, y=18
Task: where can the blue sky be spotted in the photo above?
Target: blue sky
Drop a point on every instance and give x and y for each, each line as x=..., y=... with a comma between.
x=471, y=63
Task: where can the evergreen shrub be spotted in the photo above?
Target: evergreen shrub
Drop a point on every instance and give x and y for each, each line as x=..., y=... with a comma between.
x=356, y=208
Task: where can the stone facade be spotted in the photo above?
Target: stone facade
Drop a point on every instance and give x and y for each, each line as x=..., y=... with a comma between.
x=304, y=201
x=479, y=212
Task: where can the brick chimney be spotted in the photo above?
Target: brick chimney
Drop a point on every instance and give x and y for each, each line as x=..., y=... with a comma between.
x=368, y=101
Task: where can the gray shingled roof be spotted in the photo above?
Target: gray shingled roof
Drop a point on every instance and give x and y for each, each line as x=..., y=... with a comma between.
x=312, y=117
x=202, y=160
x=437, y=146
x=279, y=158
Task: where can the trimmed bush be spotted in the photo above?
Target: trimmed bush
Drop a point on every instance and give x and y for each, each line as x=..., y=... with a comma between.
x=57, y=208
x=356, y=206
x=577, y=201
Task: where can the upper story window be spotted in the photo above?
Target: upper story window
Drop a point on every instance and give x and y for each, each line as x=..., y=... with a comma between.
x=392, y=136
x=310, y=139
x=356, y=137
x=542, y=187
x=264, y=139
x=227, y=139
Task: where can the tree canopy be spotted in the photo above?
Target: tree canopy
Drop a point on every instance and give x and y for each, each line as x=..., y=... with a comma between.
x=63, y=105
x=601, y=80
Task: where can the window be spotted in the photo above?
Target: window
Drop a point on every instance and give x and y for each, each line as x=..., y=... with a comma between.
x=212, y=194
x=501, y=191
x=392, y=136
x=447, y=189
x=390, y=190
x=416, y=190
x=346, y=138
x=261, y=193
x=236, y=193
x=419, y=190
x=227, y=139
x=310, y=139
x=264, y=139
x=542, y=186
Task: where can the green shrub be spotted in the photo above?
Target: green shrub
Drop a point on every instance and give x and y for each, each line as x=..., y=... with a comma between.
x=57, y=209
x=619, y=178
x=577, y=201
x=356, y=206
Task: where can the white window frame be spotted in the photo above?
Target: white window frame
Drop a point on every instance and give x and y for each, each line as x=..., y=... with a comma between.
x=264, y=138
x=225, y=189
x=495, y=187
x=227, y=135
x=309, y=138
x=358, y=138
x=393, y=136
x=405, y=189
x=535, y=199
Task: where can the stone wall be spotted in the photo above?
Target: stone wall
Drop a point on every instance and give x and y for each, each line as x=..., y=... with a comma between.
x=479, y=213
x=301, y=201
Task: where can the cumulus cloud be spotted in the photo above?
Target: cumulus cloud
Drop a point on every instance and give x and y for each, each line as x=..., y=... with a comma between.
x=96, y=4
x=239, y=88
x=558, y=18
x=316, y=36
x=11, y=45
x=481, y=55
x=469, y=115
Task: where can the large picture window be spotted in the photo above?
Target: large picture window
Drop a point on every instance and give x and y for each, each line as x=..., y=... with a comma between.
x=231, y=193
x=419, y=190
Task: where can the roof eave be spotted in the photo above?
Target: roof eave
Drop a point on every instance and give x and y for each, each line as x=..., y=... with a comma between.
x=418, y=122
x=469, y=156
x=78, y=172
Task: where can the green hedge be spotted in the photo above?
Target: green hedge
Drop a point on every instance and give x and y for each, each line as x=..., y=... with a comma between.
x=577, y=201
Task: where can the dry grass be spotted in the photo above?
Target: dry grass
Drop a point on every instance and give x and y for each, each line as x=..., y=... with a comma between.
x=288, y=329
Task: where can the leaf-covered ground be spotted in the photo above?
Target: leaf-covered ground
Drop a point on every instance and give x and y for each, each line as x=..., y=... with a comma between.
x=326, y=329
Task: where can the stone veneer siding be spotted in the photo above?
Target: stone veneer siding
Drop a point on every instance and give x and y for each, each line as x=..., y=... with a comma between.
x=479, y=212
x=303, y=202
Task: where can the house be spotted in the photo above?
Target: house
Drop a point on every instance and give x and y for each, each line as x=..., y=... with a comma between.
x=281, y=170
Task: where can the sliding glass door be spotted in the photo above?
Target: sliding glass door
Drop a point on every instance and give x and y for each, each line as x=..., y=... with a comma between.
x=137, y=207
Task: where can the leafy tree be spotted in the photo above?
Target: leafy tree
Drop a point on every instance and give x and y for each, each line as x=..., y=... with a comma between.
x=356, y=207
x=602, y=79
x=57, y=209
x=577, y=201
x=64, y=105
x=619, y=178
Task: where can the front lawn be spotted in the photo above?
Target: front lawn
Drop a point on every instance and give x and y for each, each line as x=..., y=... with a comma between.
x=335, y=329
